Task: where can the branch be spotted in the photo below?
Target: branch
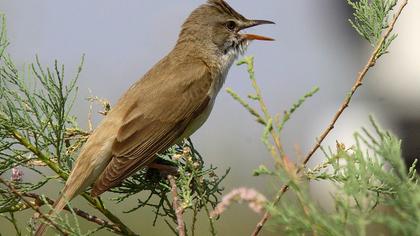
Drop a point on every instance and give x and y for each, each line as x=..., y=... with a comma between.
x=97, y=203
x=39, y=201
x=178, y=209
x=359, y=81
x=34, y=207
x=125, y=230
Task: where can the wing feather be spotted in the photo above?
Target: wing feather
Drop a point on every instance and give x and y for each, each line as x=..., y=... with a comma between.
x=158, y=119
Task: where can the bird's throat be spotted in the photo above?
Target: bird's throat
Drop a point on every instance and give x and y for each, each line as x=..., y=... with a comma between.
x=230, y=55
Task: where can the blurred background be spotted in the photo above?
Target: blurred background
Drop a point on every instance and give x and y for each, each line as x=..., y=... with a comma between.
x=315, y=46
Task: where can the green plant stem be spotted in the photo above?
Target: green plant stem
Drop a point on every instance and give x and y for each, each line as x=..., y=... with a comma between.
x=276, y=137
x=194, y=220
x=96, y=203
x=40, y=155
x=13, y=221
x=211, y=221
x=34, y=207
x=359, y=81
x=39, y=201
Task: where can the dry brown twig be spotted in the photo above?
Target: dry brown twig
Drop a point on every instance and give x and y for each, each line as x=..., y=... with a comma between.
x=33, y=206
x=177, y=207
x=359, y=81
x=103, y=102
x=39, y=201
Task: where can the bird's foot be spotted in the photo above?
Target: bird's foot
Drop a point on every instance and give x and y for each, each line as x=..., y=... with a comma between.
x=164, y=169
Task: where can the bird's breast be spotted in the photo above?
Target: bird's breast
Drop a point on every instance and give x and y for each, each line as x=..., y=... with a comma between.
x=197, y=122
x=224, y=64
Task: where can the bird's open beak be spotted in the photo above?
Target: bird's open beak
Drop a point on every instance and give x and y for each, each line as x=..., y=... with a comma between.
x=252, y=23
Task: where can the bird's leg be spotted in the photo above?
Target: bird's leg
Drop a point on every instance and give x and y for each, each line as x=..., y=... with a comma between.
x=164, y=169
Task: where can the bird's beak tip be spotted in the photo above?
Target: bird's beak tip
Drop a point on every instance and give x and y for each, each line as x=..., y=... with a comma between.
x=253, y=23
x=265, y=22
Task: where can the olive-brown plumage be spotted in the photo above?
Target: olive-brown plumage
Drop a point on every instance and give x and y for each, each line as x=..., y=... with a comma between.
x=168, y=104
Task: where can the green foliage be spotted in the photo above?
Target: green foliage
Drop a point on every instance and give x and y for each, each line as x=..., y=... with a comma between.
x=273, y=124
x=38, y=135
x=262, y=170
x=34, y=114
x=198, y=186
x=371, y=185
x=287, y=114
x=371, y=18
x=372, y=189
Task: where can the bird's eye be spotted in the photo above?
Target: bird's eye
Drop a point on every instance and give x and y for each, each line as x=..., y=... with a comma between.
x=230, y=25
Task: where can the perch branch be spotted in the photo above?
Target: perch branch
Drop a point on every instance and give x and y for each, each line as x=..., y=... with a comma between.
x=359, y=81
x=33, y=206
x=178, y=209
x=125, y=230
x=92, y=218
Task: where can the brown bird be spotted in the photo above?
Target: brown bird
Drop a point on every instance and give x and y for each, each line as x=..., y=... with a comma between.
x=170, y=102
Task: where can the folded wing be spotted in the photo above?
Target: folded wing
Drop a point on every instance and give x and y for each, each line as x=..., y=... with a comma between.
x=158, y=115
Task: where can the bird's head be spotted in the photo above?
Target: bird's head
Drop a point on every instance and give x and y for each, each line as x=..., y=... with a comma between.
x=216, y=25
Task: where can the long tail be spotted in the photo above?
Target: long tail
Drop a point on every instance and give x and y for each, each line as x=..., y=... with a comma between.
x=58, y=206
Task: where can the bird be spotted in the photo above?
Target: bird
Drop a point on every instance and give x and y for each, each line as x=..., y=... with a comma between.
x=168, y=104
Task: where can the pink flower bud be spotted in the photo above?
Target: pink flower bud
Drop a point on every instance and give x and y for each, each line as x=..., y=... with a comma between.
x=17, y=174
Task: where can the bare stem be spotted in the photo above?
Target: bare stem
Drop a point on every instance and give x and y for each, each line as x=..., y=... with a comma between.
x=177, y=208
x=359, y=81
x=12, y=220
x=33, y=206
x=54, y=166
x=194, y=220
x=92, y=218
x=96, y=203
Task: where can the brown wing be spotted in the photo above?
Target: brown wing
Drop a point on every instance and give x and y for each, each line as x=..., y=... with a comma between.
x=159, y=117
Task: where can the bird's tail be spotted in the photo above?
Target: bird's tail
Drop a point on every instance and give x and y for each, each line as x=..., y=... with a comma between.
x=58, y=206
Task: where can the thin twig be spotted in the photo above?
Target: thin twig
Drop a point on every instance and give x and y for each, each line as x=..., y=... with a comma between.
x=90, y=113
x=97, y=203
x=178, y=209
x=92, y=218
x=54, y=166
x=194, y=220
x=264, y=108
x=206, y=208
x=12, y=220
x=34, y=207
x=359, y=81
x=211, y=221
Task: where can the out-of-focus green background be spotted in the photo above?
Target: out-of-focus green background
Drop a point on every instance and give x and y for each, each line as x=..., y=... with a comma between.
x=315, y=47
